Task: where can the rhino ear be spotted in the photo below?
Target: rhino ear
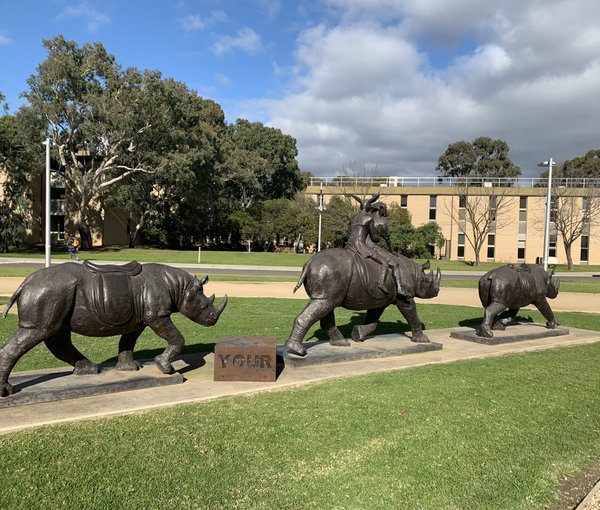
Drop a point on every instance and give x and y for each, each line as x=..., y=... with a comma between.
x=425, y=265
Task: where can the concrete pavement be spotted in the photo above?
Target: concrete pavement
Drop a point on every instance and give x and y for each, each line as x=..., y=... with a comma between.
x=200, y=387
x=565, y=301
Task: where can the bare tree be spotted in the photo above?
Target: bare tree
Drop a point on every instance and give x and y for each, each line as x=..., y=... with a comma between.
x=356, y=178
x=481, y=211
x=575, y=213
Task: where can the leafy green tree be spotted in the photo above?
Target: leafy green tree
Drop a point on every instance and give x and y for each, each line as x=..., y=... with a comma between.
x=15, y=201
x=336, y=221
x=581, y=167
x=484, y=157
x=259, y=163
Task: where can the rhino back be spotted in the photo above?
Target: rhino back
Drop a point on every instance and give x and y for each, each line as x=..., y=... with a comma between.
x=328, y=273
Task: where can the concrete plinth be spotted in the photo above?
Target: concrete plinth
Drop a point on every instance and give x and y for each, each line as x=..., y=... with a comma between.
x=380, y=346
x=512, y=333
x=51, y=385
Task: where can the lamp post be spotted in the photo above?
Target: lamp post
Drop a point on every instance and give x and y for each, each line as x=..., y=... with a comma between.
x=321, y=208
x=47, y=143
x=549, y=164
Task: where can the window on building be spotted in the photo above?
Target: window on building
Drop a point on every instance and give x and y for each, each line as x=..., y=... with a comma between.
x=521, y=253
x=553, y=209
x=432, y=206
x=491, y=249
x=462, y=201
x=552, y=246
x=460, y=246
x=403, y=200
x=585, y=246
x=585, y=208
x=523, y=215
x=522, y=202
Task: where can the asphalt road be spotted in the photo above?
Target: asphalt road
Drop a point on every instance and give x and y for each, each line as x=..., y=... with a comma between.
x=289, y=271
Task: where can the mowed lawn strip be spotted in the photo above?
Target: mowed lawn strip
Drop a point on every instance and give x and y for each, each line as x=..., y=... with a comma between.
x=485, y=434
x=242, y=258
x=590, y=286
x=264, y=316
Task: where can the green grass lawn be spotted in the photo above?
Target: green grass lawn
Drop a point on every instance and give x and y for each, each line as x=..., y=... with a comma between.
x=241, y=258
x=484, y=434
x=263, y=316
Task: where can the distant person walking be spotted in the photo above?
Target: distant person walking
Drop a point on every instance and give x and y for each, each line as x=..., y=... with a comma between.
x=73, y=246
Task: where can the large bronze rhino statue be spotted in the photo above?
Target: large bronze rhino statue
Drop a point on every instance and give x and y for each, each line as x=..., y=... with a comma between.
x=100, y=300
x=509, y=288
x=338, y=277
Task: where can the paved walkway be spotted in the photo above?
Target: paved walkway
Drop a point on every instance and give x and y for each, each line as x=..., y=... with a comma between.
x=566, y=301
x=200, y=387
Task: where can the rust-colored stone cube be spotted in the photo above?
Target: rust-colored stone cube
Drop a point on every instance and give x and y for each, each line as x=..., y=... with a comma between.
x=246, y=358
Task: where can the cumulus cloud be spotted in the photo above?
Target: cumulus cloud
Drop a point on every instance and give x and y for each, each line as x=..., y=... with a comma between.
x=246, y=40
x=86, y=12
x=366, y=87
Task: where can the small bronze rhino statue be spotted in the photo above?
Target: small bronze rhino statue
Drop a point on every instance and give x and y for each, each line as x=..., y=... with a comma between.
x=509, y=288
x=104, y=300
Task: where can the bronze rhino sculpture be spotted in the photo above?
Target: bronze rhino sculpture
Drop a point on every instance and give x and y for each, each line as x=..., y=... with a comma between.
x=104, y=300
x=509, y=288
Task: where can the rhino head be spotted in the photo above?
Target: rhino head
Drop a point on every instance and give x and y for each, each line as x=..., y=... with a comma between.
x=427, y=284
x=199, y=308
x=552, y=285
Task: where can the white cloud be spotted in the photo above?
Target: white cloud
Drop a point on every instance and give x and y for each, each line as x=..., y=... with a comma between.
x=223, y=80
x=365, y=88
x=195, y=22
x=86, y=12
x=247, y=40
x=4, y=39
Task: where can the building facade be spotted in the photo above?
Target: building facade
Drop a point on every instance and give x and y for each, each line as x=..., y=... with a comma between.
x=507, y=214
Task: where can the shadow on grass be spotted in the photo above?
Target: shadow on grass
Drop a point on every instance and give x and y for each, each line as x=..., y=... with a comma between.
x=476, y=322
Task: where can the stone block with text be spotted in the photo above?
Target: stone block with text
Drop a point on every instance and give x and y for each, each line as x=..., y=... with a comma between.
x=246, y=358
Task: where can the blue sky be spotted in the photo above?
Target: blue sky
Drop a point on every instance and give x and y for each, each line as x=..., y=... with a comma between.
x=383, y=85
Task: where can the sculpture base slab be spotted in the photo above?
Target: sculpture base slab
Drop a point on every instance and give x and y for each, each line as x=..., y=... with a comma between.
x=381, y=346
x=512, y=333
x=51, y=385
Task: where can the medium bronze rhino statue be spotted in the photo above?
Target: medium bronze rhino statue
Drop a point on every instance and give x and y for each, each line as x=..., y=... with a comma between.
x=102, y=300
x=509, y=288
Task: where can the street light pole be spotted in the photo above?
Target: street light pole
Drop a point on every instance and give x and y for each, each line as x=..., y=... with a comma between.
x=321, y=208
x=47, y=235
x=548, y=163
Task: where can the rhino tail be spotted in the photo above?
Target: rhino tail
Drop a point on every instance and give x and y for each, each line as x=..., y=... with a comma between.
x=302, y=278
x=14, y=297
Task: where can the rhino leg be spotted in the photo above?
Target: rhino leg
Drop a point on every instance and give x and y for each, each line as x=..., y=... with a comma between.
x=315, y=310
x=548, y=314
x=21, y=342
x=61, y=347
x=504, y=320
x=165, y=328
x=125, y=361
x=489, y=317
x=334, y=334
x=408, y=309
x=359, y=333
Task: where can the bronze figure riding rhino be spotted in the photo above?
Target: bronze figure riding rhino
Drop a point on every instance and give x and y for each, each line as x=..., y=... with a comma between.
x=509, y=288
x=100, y=300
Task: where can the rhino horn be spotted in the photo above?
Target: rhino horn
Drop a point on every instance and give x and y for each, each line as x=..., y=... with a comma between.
x=425, y=265
x=438, y=276
x=221, y=306
x=204, y=280
x=211, y=299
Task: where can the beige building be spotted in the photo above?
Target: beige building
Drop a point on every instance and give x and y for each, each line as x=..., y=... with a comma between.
x=508, y=213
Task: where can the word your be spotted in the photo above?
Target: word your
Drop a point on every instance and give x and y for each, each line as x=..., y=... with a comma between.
x=239, y=361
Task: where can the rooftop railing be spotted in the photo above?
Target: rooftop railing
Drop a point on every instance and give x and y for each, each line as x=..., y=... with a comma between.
x=510, y=182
